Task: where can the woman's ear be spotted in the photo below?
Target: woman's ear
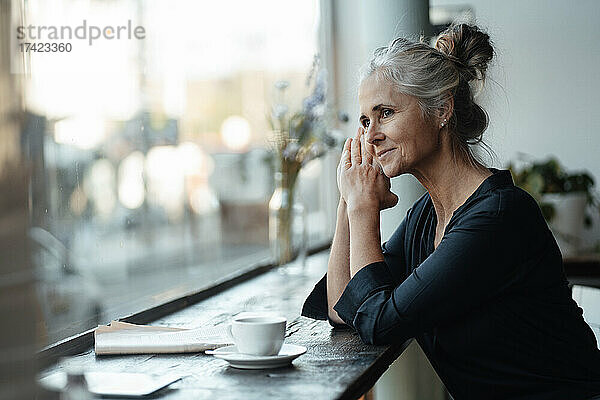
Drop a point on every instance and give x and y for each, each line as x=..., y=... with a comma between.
x=446, y=111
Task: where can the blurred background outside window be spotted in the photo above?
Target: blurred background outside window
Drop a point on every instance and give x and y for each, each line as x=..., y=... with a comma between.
x=151, y=177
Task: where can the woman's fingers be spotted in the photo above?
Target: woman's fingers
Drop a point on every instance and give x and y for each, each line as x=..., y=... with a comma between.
x=355, y=149
x=376, y=165
x=345, y=160
x=356, y=179
x=367, y=158
x=370, y=148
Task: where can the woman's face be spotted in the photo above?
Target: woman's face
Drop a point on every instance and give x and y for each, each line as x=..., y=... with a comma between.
x=396, y=133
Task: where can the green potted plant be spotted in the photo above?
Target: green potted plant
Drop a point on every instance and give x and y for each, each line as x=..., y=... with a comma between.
x=563, y=198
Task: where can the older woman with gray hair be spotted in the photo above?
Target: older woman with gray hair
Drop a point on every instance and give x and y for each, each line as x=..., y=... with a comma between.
x=472, y=272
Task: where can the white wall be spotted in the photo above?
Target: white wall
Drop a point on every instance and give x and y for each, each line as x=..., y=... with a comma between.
x=544, y=92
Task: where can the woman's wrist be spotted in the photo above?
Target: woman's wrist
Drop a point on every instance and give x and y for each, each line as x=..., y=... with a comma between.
x=362, y=208
x=342, y=207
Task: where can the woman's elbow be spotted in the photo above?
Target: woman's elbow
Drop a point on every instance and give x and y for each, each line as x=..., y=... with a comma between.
x=369, y=335
x=334, y=319
x=381, y=335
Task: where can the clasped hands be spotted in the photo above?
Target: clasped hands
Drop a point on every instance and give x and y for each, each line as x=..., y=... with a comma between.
x=360, y=178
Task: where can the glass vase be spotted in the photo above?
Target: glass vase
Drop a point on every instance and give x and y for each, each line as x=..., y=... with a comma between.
x=281, y=219
x=299, y=233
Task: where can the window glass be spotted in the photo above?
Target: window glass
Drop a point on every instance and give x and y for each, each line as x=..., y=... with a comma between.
x=151, y=177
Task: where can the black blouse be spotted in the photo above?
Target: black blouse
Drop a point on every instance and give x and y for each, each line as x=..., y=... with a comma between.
x=490, y=307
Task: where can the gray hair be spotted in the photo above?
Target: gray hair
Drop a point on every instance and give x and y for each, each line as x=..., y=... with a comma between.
x=435, y=74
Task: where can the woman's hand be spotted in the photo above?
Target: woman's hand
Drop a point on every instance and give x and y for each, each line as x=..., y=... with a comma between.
x=361, y=180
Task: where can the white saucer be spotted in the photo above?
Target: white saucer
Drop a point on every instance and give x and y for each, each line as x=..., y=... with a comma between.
x=287, y=353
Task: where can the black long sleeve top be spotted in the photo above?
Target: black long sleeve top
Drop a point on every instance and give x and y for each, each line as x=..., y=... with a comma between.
x=490, y=306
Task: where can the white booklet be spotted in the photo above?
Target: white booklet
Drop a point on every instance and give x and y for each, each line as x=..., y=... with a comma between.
x=124, y=338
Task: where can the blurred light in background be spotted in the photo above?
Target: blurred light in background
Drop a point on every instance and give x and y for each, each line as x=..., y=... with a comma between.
x=83, y=131
x=194, y=160
x=165, y=180
x=131, y=181
x=78, y=201
x=203, y=200
x=100, y=187
x=313, y=169
x=235, y=132
x=197, y=167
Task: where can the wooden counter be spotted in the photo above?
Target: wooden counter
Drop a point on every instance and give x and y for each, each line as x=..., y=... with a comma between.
x=337, y=364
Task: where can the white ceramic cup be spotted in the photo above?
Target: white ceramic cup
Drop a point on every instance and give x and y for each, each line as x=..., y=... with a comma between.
x=258, y=335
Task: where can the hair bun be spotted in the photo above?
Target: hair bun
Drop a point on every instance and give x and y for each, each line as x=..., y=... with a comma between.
x=469, y=47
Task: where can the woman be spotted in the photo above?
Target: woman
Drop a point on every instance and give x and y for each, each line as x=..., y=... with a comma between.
x=472, y=272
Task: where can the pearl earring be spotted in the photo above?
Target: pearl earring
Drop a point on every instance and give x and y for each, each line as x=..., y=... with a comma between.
x=444, y=123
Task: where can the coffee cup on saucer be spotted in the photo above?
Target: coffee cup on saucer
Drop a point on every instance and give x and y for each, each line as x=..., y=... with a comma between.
x=258, y=335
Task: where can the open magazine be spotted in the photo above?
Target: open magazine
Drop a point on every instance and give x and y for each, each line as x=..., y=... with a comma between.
x=124, y=338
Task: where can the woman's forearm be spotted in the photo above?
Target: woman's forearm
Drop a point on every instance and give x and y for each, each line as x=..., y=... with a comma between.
x=338, y=268
x=365, y=238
